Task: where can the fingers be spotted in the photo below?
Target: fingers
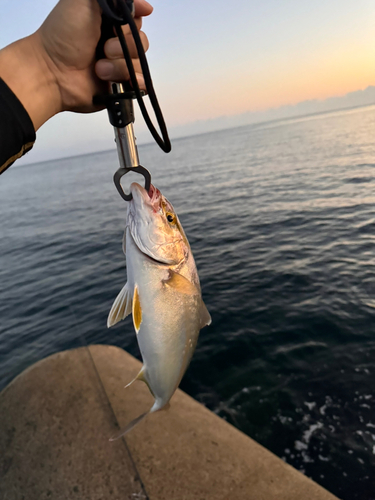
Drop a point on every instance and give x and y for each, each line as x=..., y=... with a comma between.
x=142, y=8
x=138, y=23
x=113, y=50
x=114, y=67
x=116, y=71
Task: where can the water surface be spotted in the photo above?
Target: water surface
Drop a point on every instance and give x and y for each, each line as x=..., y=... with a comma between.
x=281, y=220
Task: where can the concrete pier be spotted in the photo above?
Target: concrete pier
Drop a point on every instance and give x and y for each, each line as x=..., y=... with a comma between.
x=57, y=416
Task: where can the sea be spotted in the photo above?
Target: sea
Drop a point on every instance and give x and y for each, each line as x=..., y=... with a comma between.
x=281, y=220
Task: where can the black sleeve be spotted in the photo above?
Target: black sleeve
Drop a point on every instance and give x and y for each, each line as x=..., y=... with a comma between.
x=17, y=134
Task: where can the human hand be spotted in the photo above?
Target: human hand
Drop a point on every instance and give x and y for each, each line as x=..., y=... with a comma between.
x=55, y=69
x=69, y=37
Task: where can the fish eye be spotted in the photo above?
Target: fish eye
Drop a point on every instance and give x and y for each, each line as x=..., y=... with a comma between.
x=171, y=218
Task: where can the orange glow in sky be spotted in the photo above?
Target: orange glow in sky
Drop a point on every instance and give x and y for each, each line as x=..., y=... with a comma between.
x=330, y=74
x=212, y=59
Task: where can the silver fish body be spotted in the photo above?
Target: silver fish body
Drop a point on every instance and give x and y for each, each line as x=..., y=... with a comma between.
x=162, y=292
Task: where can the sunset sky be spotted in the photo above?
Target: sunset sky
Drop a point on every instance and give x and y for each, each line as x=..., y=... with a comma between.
x=211, y=58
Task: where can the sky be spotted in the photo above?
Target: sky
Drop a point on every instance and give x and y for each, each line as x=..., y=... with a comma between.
x=213, y=58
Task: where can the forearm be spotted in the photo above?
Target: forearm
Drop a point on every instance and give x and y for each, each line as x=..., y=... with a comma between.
x=17, y=134
x=25, y=70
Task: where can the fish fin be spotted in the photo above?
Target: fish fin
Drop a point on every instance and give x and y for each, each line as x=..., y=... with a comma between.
x=124, y=241
x=181, y=284
x=140, y=376
x=130, y=426
x=158, y=405
x=121, y=307
x=137, y=310
x=205, y=317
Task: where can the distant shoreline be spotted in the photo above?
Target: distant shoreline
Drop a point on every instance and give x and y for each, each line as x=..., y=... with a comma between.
x=179, y=137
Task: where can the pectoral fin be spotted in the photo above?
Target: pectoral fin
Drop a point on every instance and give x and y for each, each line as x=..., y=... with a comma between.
x=181, y=284
x=121, y=307
x=205, y=318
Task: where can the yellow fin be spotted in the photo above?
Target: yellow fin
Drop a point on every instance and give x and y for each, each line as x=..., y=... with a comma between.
x=181, y=284
x=137, y=310
x=140, y=376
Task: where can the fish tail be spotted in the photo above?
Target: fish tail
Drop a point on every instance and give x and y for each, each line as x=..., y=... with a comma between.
x=159, y=404
x=130, y=426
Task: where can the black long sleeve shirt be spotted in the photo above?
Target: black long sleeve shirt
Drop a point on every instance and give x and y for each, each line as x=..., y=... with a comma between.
x=17, y=134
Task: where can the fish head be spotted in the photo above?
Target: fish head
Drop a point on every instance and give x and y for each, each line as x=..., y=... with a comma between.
x=155, y=227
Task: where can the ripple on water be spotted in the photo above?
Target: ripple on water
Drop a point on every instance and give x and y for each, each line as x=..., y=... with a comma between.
x=281, y=218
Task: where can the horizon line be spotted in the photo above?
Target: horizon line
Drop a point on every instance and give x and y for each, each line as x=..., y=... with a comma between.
x=262, y=122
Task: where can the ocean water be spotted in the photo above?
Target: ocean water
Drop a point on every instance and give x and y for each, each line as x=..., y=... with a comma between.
x=281, y=220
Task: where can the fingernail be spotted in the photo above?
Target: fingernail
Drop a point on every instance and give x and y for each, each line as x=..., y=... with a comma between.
x=105, y=69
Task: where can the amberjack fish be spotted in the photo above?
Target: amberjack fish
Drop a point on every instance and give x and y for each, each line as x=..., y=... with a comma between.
x=162, y=293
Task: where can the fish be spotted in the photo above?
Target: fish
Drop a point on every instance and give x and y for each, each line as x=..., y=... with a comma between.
x=162, y=293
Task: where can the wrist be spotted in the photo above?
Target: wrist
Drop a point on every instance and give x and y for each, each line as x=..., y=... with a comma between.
x=24, y=68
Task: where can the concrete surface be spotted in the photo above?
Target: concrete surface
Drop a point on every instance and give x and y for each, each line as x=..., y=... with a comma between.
x=57, y=416
x=55, y=422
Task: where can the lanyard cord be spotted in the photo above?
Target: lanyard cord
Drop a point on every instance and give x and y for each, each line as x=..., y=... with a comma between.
x=117, y=21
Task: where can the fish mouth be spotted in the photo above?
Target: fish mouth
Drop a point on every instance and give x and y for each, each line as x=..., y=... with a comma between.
x=143, y=219
x=151, y=197
x=154, y=195
x=153, y=192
